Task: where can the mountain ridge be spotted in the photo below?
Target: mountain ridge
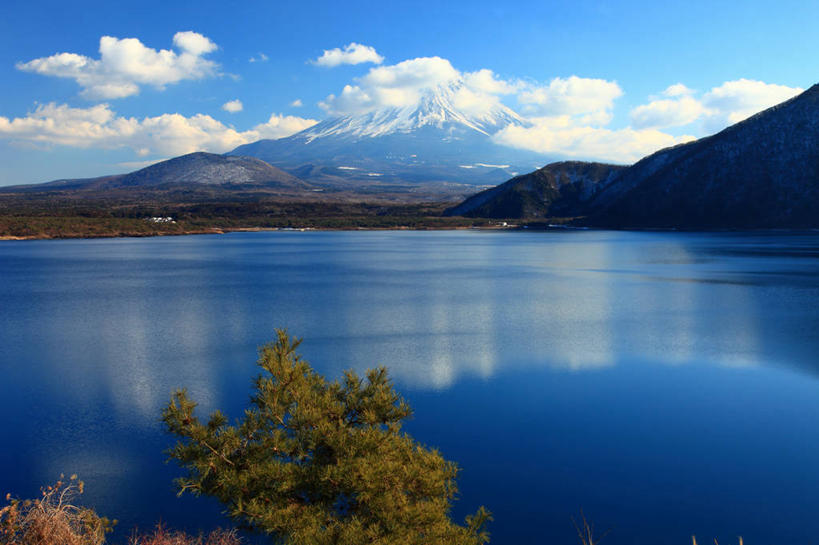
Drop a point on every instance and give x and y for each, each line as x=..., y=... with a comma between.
x=560, y=188
x=194, y=169
x=762, y=172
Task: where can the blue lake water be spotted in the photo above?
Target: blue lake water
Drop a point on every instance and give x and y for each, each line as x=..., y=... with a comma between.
x=665, y=383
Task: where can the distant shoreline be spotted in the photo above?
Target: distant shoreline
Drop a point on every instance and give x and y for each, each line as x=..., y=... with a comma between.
x=495, y=227
x=221, y=231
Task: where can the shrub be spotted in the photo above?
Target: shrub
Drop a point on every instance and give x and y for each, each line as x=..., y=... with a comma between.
x=53, y=519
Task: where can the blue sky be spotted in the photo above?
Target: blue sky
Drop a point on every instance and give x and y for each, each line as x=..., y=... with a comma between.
x=600, y=80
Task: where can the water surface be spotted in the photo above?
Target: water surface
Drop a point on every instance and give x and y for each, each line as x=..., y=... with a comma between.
x=665, y=383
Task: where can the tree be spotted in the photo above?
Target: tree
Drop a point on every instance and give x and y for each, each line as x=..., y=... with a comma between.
x=314, y=462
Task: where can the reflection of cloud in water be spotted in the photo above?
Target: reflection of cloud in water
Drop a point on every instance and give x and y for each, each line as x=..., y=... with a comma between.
x=569, y=301
x=105, y=471
x=573, y=306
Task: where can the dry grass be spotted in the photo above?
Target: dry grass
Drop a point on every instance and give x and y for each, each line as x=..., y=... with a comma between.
x=585, y=531
x=53, y=519
x=163, y=536
x=694, y=540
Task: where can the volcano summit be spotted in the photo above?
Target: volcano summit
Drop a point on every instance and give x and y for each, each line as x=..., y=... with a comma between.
x=440, y=138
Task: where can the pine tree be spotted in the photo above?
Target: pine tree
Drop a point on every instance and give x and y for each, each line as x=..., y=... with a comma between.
x=314, y=462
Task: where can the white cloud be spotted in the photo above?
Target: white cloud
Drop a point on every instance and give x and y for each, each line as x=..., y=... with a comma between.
x=279, y=126
x=570, y=129
x=125, y=64
x=676, y=90
x=667, y=112
x=485, y=80
x=588, y=101
x=233, y=106
x=403, y=84
x=261, y=57
x=168, y=134
x=412, y=74
x=562, y=136
x=736, y=100
x=193, y=43
x=718, y=108
x=571, y=96
x=296, y=103
x=352, y=53
x=569, y=115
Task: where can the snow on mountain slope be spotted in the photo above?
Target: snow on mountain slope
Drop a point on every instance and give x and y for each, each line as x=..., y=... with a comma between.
x=440, y=138
x=437, y=108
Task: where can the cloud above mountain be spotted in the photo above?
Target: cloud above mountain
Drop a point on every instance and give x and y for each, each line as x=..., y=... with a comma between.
x=168, y=134
x=726, y=104
x=563, y=137
x=570, y=96
x=126, y=64
x=403, y=84
x=352, y=53
x=565, y=116
x=578, y=113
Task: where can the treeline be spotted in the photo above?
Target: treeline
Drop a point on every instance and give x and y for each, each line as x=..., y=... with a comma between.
x=54, y=216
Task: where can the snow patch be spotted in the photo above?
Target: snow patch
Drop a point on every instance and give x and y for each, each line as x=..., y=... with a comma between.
x=435, y=109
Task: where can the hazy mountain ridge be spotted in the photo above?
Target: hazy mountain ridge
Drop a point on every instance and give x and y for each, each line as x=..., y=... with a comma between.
x=194, y=169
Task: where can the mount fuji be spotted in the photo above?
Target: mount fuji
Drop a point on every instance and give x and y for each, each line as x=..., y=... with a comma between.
x=433, y=140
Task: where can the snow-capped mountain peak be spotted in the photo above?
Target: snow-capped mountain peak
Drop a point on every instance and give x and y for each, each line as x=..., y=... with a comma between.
x=440, y=107
x=444, y=136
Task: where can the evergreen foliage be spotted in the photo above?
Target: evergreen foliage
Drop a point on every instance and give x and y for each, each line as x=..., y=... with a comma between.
x=314, y=462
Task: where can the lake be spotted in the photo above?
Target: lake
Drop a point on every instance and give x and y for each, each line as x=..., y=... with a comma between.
x=665, y=383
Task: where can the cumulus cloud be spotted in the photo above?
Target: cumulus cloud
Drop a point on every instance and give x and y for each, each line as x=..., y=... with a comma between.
x=668, y=112
x=486, y=81
x=403, y=84
x=279, y=126
x=261, y=57
x=352, y=53
x=575, y=112
x=676, y=90
x=593, y=98
x=168, y=134
x=568, y=116
x=736, y=100
x=562, y=135
x=721, y=106
x=297, y=103
x=233, y=106
x=125, y=64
